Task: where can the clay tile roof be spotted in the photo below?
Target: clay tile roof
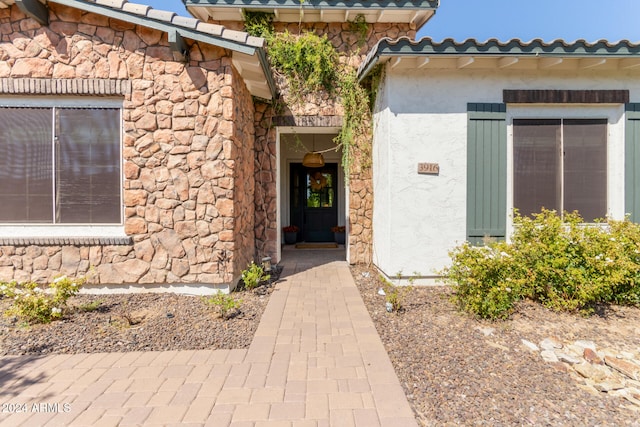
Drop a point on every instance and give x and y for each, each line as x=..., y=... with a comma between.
x=406, y=47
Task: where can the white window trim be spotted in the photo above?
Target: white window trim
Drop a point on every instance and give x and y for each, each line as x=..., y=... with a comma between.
x=614, y=113
x=67, y=230
x=61, y=230
x=46, y=101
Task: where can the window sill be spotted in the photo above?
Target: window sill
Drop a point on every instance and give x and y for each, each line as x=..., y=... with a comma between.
x=59, y=241
x=26, y=235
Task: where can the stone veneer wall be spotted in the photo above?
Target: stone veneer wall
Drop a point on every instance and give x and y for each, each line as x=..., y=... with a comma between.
x=241, y=189
x=266, y=190
x=187, y=146
x=318, y=111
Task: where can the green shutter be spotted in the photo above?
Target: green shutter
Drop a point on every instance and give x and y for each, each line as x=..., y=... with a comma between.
x=486, y=172
x=632, y=162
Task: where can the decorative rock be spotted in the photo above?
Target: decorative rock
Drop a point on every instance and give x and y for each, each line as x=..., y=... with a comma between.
x=591, y=356
x=617, y=376
x=587, y=370
x=487, y=331
x=625, y=367
x=550, y=344
x=567, y=358
x=584, y=344
x=625, y=393
x=589, y=389
x=574, y=350
x=635, y=393
x=531, y=346
x=549, y=356
x=609, y=385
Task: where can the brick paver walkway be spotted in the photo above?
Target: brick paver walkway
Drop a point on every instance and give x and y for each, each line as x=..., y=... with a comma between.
x=316, y=360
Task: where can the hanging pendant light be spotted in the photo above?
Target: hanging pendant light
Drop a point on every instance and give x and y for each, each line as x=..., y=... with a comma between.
x=313, y=159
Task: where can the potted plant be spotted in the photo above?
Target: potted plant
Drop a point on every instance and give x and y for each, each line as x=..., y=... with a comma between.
x=339, y=234
x=290, y=234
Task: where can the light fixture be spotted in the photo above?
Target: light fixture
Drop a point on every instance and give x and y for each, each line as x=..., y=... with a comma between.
x=266, y=264
x=313, y=159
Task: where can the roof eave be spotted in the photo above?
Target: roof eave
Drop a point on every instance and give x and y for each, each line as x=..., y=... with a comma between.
x=415, y=13
x=407, y=48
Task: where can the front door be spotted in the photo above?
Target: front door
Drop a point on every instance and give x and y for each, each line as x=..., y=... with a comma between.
x=314, y=201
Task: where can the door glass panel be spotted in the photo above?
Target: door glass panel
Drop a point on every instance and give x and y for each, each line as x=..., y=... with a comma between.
x=536, y=176
x=320, y=191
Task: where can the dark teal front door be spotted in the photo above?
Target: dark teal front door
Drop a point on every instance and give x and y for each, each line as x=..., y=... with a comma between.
x=314, y=201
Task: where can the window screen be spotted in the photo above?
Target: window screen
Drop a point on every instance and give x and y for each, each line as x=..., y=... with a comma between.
x=60, y=165
x=561, y=165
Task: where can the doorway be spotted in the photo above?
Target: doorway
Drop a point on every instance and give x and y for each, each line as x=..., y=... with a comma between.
x=314, y=201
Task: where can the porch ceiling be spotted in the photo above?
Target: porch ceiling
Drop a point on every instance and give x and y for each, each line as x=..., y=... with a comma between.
x=416, y=12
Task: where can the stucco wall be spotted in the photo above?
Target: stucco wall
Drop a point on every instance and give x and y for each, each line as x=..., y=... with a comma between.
x=422, y=118
x=187, y=151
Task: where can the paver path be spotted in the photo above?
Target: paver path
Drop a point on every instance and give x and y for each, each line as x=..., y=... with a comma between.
x=316, y=360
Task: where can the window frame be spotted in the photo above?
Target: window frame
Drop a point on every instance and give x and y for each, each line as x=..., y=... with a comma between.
x=613, y=113
x=16, y=230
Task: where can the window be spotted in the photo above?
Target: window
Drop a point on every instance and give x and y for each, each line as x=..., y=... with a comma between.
x=560, y=164
x=60, y=165
x=320, y=189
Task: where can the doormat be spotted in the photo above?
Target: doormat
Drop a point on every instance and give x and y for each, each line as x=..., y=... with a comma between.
x=316, y=245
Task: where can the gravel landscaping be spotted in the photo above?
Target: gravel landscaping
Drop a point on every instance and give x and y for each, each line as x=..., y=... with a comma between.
x=457, y=370
x=137, y=322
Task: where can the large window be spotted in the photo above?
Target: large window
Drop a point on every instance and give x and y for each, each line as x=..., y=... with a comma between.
x=560, y=164
x=60, y=165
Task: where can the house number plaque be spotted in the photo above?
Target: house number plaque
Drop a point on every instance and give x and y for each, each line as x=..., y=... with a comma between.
x=428, y=168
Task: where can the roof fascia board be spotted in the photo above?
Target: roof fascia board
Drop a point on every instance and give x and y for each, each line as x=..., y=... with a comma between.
x=156, y=25
x=34, y=9
x=317, y=4
x=266, y=69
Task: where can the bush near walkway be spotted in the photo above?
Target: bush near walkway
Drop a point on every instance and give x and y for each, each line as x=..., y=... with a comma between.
x=555, y=260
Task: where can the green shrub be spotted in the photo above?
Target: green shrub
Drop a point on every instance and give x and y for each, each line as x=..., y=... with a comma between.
x=37, y=305
x=90, y=306
x=486, y=280
x=558, y=261
x=395, y=295
x=224, y=303
x=253, y=276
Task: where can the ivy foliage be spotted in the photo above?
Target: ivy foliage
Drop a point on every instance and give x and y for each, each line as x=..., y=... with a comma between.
x=259, y=24
x=311, y=64
x=309, y=61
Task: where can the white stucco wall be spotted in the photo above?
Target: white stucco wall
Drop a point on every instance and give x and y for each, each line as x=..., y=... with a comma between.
x=422, y=117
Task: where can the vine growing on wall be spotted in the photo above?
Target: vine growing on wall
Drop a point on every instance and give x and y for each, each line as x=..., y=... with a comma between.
x=311, y=64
